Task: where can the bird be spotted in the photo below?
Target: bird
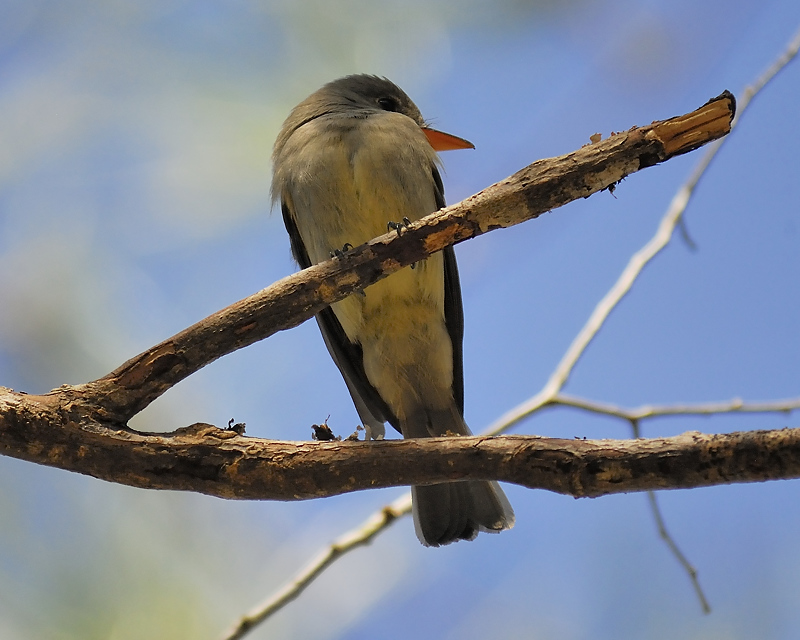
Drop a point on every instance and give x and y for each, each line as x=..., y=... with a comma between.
x=350, y=159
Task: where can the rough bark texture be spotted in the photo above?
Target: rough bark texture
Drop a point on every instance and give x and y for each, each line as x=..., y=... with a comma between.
x=220, y=462
x=83, y=428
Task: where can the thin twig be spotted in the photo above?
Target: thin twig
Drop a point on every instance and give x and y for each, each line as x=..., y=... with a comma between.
x=737, y=405
x=354, y=538
x=621, y=287
x=665, y=535
x=673, y=547
x=548, y=395
x=743, y=101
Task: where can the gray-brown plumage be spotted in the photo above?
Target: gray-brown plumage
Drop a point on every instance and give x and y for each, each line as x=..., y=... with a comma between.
x=350, y=158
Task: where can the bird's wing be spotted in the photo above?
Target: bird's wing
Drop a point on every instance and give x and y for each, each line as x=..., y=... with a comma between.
x=453, y=308
x=346, y=354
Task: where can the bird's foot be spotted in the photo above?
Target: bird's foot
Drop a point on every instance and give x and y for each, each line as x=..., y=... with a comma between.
x=339, y=253
x=398, y=226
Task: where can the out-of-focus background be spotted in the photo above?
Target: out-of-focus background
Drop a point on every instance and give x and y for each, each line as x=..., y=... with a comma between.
x=135, y=143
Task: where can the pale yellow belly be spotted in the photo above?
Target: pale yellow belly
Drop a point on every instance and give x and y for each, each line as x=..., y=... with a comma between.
x=399, y=322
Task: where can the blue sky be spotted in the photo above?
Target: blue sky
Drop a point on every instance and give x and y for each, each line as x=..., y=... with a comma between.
x=134, y=176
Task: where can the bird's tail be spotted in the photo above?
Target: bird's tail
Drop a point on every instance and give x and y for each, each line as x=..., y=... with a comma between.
x=450, y=511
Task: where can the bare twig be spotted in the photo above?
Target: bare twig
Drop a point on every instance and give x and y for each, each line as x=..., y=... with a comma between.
x=691, y=571
x=636, y=415
x=774, y=69
x=737, y=405
x=357, y=537
x=558, y=378
x=672, y=545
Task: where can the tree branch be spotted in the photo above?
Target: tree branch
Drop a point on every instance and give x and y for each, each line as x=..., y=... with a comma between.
x=358, y=537
x=222, y=463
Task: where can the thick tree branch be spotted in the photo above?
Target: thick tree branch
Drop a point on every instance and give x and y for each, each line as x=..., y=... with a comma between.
x=218, y=462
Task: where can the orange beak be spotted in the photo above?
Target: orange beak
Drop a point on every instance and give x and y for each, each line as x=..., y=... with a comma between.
x=441, y=141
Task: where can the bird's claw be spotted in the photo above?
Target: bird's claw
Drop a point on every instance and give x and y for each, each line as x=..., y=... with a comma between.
x=339, y=253
x=398, y=226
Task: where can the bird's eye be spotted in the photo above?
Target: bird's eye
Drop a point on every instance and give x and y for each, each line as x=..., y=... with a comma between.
x=388, y=104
